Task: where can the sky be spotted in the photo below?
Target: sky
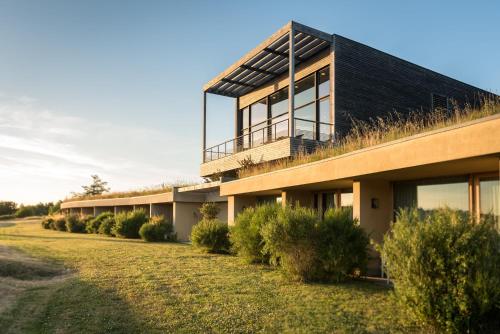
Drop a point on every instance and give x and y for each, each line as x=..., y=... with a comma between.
x=114, y=88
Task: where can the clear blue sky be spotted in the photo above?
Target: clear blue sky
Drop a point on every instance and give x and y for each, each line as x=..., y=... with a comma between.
x=114, y=87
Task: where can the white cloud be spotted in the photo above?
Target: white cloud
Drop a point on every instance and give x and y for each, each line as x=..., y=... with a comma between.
x=44, y=155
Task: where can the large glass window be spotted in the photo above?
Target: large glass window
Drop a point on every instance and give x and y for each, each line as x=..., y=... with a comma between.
x=312, y=112
x=431, y=195
x=279, y=113
x=258, y=115
x=304, y=91
x=489, y=198
x=324, y=82
x=245, y=124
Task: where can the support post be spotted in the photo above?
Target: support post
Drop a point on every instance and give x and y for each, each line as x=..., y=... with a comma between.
x=332, y=91
x=204, y=131
x=291, y=86
x=236, y=118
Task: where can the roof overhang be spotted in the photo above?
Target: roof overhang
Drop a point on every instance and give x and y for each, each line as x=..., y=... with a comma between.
x=269, y=60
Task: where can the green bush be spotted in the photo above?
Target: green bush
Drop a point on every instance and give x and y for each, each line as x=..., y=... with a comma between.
x=107, y=225
x=75, y=224
x=313, y=249
x=128, y=224
x=93, y=224
x=47, y=222
x=342, y=245
x=211, y=235
x=290, y=240
x=209, y=211
x=445, y=269
x=157, y=229
x=245, y=235
x=59, y=223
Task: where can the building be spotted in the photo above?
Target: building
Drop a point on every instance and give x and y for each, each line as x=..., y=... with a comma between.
x=334, y=80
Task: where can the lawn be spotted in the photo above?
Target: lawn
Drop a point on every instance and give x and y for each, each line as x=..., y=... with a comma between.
x=94, y=284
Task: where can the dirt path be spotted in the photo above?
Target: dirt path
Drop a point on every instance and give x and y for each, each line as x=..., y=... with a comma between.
x=19, y=273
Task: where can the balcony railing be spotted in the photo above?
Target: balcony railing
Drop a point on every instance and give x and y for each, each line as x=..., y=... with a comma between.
x=268, y=133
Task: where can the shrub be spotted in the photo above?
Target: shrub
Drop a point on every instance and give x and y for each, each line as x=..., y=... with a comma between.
x=93, y=224
x=245, y=235
x=445, y=269
x=128, y=224
x=342, y=246
x=75, y=224
x=107, y=225
x=59, y=224
x=209, y=211
x=211, y=235
x=157, y=229
x=290, y=241
x=47, y=222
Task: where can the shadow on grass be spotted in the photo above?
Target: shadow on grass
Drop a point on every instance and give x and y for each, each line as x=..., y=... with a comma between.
x=92, y=237
x=71, y=306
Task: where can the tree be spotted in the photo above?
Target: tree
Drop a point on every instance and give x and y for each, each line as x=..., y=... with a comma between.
x=97, y=187
x=7, y=208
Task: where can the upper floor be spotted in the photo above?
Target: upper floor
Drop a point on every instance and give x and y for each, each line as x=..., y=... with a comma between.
x=333, y=80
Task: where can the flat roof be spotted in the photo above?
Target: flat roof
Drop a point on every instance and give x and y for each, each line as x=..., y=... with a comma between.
x=269, y=60
x=464, y=148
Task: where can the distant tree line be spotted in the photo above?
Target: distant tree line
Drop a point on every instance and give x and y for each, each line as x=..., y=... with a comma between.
x=9, y=209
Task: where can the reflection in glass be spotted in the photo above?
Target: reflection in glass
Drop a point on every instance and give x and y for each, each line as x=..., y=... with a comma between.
x=346, y=199
x=324, y=82
x=324, y=110
x=308, y=112
x=431, y=195
x=305, y=129
x=490, y=198
x=279, y=102
x=304, y=91
x=434, y=196
x=259, y=112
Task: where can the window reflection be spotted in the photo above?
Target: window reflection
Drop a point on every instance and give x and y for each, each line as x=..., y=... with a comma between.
x=324, y=82
x=431, y=195
x=489, y=198
x=279, y=102
x=304, y=91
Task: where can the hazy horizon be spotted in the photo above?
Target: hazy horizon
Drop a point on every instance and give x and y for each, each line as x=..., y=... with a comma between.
x=114, y=88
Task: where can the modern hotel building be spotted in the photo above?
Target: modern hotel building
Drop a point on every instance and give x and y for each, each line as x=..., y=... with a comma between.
x=334, y=81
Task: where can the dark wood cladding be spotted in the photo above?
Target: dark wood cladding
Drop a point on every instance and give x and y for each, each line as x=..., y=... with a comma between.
x=370, y=83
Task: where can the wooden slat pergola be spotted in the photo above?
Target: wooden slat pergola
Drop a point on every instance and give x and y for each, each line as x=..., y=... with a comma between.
x=283, y=51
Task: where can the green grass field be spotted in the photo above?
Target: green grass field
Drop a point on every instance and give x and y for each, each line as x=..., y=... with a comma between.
x=92, y=284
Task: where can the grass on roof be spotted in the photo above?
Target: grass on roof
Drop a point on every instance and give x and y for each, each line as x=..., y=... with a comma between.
x=379, y=131
x=159, y=189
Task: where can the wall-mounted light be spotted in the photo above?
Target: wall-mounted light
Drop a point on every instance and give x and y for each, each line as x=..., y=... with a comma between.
x=375, y=203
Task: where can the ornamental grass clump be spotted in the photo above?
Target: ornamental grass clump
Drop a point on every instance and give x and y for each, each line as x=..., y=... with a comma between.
x=446, y=269
x=128, y=224
x=245, y=235
x=291, y=241
x=47, y=223
x=93, y=224
x=59, y=223
x=342, y=245
x=75, y=224
x=157, y=229
x=210, y=234
x=107, y=225
x=312, y=249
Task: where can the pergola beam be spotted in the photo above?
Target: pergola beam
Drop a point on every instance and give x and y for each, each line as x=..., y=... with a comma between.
x=283, y=54
x=234, y=82
x=255, y=69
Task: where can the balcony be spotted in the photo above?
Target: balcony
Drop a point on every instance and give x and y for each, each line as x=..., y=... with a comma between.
x=270, y=141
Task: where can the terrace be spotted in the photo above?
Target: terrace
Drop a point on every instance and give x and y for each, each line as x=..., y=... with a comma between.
x=282, y=125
